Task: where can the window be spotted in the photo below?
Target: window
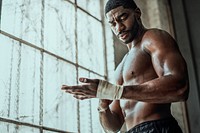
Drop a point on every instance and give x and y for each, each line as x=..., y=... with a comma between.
x=44, y=44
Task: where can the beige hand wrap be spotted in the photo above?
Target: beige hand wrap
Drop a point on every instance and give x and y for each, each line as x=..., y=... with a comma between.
x=109, y=91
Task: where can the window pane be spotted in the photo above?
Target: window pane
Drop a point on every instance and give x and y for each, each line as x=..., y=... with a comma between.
x=13, y=128
x=60, y=109
x=85, y=109
x=59, y=28
x=91, y=6
x=70, y=0
x=29, y=85
x=31, y=79
x=20, y=78
x=47, y=131
x=94, y=113
x=89, y=117
x=22, y=19
x=5, y=79
x=90, y=43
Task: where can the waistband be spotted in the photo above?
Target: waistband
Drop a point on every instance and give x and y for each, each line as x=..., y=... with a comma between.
x=151, y=124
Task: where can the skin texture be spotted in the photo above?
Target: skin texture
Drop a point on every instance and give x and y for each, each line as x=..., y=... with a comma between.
x=153, y=74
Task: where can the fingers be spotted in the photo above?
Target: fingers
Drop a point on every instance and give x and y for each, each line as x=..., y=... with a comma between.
x=63, y=87
x=79, y=90
x=84, y=91
x=87, y=80
x=82, y=97
x=75, y=92
x=73, y=89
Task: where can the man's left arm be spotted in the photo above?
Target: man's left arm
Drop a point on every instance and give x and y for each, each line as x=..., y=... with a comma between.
x=172, y=83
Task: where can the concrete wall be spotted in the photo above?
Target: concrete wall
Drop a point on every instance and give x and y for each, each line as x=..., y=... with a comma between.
x=186, y=24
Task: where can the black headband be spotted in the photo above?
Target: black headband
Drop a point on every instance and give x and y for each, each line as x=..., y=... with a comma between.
x=112, y=4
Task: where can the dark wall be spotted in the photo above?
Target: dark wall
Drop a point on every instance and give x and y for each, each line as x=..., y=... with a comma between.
x=186, y=20
x=192, y=11
x=0, y=6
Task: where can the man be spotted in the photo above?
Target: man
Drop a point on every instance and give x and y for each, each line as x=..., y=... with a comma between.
x=152, y=75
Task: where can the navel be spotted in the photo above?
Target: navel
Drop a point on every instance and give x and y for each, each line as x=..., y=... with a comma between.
x=133, y=74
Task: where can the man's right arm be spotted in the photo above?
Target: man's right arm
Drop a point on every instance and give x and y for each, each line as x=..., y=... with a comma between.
x=111, y=118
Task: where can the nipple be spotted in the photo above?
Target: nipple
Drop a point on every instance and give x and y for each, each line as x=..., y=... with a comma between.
x=132, y=73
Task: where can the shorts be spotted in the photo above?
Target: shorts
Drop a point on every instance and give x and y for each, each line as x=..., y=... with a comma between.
x=166, y=125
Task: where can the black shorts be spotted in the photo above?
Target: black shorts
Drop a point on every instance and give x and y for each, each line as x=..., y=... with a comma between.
x=167, y=125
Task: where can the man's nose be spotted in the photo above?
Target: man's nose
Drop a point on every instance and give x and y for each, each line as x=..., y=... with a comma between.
x=119, y=27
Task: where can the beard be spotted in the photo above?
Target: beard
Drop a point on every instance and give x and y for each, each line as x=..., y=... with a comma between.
x=132, y=33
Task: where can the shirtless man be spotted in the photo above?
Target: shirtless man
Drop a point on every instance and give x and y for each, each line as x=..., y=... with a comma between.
x=152, y=75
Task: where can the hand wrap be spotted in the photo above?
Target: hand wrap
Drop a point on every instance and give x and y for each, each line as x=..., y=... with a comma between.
x=109, y=91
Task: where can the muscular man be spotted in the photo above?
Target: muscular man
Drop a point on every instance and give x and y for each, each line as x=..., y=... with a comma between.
x=152, y=75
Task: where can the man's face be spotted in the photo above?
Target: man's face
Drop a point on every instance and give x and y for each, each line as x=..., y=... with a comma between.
x=123, y=24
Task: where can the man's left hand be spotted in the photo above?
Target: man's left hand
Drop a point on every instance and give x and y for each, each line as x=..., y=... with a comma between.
x=85, y=91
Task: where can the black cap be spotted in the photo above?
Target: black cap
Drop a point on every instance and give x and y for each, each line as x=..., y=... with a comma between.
x=112, y=4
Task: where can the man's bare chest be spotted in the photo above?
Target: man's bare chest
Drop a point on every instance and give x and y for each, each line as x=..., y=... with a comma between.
x=133, y=66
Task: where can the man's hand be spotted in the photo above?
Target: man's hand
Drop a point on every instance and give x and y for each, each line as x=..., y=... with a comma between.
x=104, y=103
x=85, y=91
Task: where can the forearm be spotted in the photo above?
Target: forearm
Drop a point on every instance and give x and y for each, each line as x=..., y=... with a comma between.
x=166, y=89
x=110, y=121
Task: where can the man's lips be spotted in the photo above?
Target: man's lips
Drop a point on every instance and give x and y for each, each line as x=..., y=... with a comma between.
x=123, y=35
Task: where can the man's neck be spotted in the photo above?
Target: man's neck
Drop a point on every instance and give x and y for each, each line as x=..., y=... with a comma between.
x=137, y=39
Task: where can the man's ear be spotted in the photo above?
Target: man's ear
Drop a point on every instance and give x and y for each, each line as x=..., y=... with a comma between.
x=137, y=13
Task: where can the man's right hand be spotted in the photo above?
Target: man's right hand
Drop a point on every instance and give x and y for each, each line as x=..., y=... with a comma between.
x=104, y=104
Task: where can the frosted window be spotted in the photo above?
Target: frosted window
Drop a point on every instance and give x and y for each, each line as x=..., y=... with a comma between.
x=94, y=113
x=43, y=45
x=14, y=128
x=89, y=120
x=72, y=0
x=60, y=109
x=20, y=78
x=85, y=110
x=90, y=43
x=91, y=6
x=5, y=68
x=22, y=18
x=59, y=28
x=29, y=84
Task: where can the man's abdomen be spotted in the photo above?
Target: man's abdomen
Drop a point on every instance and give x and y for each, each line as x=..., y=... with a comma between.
x=138, y=112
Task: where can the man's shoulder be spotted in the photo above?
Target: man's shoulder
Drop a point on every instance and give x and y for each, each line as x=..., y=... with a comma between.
x=154, y=38
x=156, y=32
x=156, y=35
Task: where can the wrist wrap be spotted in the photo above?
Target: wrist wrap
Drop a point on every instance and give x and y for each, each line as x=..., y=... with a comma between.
x=109, y=91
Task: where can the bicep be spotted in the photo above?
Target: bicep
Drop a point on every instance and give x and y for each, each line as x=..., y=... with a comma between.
x=165, y=54
x=168, y=61
x=172, y=70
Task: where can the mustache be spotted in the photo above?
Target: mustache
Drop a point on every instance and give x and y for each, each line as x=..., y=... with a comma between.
x=122, y=32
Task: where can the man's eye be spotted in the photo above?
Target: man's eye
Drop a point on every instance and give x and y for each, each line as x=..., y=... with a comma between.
x=124, y=17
